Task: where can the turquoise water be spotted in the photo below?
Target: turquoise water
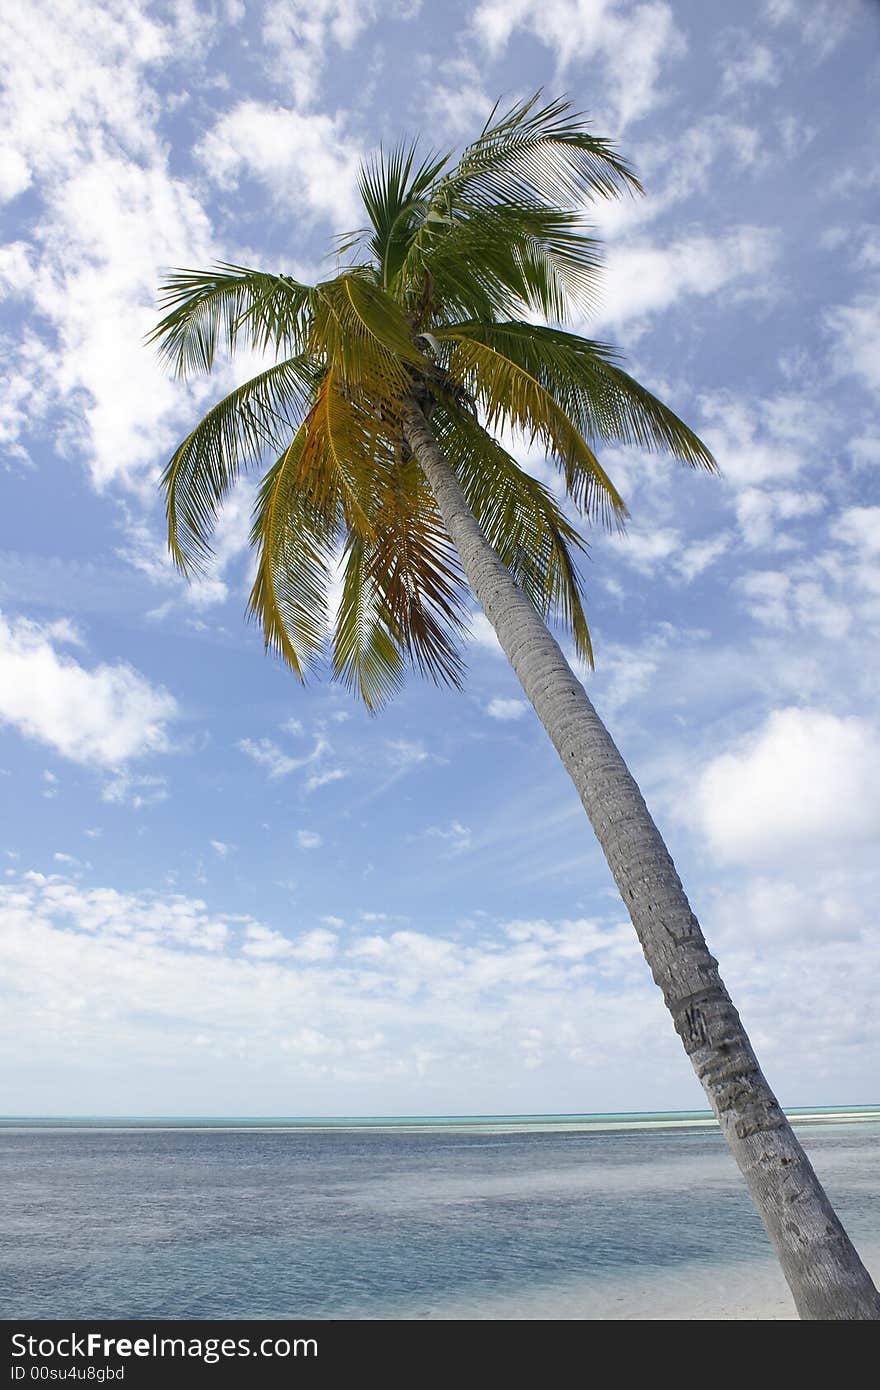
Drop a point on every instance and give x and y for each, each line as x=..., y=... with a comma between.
x=487, y=1124
x=619, y=1216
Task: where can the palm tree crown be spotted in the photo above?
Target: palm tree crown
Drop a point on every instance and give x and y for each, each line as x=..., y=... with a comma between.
x=435, y=306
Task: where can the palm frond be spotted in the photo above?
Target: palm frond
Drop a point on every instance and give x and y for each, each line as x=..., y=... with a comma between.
x=295, y=544
x=344, y=436
x=395, y=190
x=416, y=569
x=233, y=436
x=541, y=154
x=494, y=262
x=403, y=591
x=586, y=380
x=512, y=395
x=366, y=652
x=225, y=305
x=359, y=329
x=520, y=519
x=541, y=158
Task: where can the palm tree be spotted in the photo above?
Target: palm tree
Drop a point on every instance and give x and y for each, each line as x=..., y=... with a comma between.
x=381, y=415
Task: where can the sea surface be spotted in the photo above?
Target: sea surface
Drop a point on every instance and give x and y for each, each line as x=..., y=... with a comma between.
x=501, y=1217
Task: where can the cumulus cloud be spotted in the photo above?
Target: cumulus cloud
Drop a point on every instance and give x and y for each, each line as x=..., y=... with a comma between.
x=642, y=279
x=855, y=340
x=763, y=512
x=745, y=62
x=79, y=117
x=299, y=35
x=152, y=973
x=860, y=528
x=230, y=1008
x=482, y=634
x=777, y=599
x=505, y=709
x=143, y=920
x=647, y=549
x=807, y=782
x=308, y=839
x=307, y=159
x=631, y=42
x=763, y=445
x=101, y=716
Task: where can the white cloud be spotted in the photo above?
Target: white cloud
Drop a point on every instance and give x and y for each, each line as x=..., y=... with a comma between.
x=323, y=779
x=860, y=528
x=482, y=634
x=762, y=512
x=278, y=763
x=824, y=907
x=698, y=556
x=113, y=227
x=506, y=709
x=299, y=33
x=624, y=673
x=456, y=836
x=16, y=270
x=15, y=176
x=677, y=167
x=221, y=849
x=144, y=919
x=646, y=550
x=855, y=331
x=404, y=753
x=103, y=716
x=806, y=782
x=264, y=944
x=745, y=62
x=137, y=792
x=820, y=24
x=231, y=537
x=308, y=839
x=455, y=95
x=777, y=599
x=641, y=279
x=763, y=439
x=57, y=58
x=80, y=120
x=308, y=161
x=317, y=945
x=236, y=1011
x=631, y=42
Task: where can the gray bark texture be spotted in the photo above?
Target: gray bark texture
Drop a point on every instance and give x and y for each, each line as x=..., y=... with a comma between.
x=824, y=1272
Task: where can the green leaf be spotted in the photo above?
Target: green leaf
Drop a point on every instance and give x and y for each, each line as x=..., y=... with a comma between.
x=233, y=436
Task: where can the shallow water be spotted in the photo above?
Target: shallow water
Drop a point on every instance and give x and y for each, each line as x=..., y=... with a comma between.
x=498, y=1217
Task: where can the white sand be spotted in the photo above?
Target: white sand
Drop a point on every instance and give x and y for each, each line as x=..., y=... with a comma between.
x=754, y=1292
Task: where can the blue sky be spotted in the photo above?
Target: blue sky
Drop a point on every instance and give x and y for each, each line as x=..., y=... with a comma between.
x=224, y=893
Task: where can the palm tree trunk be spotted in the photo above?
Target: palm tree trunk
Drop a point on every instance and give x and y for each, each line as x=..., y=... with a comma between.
x=824, y=1272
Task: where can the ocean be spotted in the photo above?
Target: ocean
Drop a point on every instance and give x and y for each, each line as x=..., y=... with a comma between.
x=525, y=1217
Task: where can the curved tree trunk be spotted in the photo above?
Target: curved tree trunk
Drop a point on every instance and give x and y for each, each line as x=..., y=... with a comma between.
x=824, y=1272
